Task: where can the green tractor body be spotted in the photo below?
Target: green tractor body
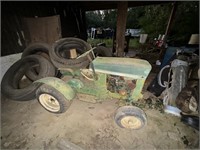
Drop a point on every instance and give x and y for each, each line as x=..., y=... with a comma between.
x=111, y=77
x=106, y=78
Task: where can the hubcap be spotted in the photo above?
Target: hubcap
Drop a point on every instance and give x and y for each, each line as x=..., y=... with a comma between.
x=131, y=122
x=49, y=102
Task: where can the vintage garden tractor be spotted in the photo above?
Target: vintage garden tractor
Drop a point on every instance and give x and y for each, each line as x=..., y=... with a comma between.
x=105, y=78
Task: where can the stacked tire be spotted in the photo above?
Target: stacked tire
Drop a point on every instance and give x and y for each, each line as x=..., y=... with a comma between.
x=41, y=49
x=12, y=78
x=62, y=47
x=39, y=60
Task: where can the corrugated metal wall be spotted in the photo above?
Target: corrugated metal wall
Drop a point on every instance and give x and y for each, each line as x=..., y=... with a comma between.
x=12, y=27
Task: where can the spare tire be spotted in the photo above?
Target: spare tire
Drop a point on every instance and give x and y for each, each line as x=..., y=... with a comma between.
x=41, y=49
x=37, y=48
x=102, y=51
x=59, y=51
x=10, y=82
x=44, y=67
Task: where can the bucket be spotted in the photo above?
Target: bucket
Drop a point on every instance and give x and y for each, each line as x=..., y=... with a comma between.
x=143, y=38
x=194, y=39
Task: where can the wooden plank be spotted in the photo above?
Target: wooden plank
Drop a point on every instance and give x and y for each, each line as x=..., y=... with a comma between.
x=121, y=27
x=42, y=29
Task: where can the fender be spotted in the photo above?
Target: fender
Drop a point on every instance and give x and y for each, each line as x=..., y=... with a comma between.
x=59, y=85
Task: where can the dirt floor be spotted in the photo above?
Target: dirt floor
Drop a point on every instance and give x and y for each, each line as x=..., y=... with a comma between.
x=27, y=125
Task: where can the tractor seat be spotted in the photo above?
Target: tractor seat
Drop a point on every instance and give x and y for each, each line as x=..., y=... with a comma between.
x=127, y=67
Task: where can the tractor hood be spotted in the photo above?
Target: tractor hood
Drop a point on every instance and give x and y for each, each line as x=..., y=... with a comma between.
x=127, y=67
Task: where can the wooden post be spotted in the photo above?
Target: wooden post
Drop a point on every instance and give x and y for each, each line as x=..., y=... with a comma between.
x=121, y=27
x=171, y=18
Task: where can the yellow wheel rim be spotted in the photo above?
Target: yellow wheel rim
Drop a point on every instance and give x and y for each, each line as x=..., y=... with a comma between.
x=49, y=102
x=131, y=122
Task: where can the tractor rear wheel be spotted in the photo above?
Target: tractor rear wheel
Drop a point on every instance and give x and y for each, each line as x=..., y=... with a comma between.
x=130, y=117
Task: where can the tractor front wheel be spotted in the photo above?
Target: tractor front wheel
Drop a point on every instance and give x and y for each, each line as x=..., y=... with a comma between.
x=52, y=100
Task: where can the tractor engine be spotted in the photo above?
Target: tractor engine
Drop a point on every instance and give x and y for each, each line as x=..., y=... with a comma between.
x=118, y=84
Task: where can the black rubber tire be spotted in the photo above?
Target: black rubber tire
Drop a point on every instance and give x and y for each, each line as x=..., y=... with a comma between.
x=59, y=48
x=46, y=69
x=36, y=48
x=33, y=72
x=63, y=102
x=103, y=51
x=129, y=111
x=41, y=49
x=11, y=79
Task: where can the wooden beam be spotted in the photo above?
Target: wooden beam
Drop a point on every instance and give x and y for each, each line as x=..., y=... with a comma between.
x=121, y=27
x=103, y=5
